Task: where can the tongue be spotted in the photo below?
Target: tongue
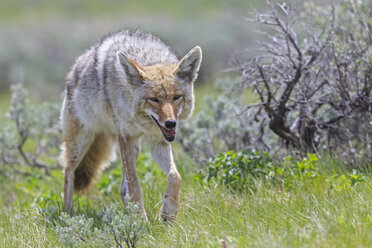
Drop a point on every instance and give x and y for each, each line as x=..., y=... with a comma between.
x=168, y=132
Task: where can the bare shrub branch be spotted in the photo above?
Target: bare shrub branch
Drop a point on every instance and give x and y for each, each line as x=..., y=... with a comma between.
x=29, y=136
x=314, y=87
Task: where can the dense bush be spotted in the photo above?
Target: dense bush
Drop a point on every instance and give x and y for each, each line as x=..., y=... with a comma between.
x=313, y=77
x=241, y=170
x=312, y=82
x=238, y=170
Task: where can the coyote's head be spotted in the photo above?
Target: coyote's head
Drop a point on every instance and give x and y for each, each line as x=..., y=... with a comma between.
x=164, y=92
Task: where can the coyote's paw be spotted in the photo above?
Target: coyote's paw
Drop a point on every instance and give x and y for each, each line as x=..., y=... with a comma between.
x=169, y=209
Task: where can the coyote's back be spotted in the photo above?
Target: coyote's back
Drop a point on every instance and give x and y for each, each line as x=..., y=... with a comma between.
x=144, y=48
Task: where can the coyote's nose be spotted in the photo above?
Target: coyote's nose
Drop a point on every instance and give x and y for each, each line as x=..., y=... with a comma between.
x=170, y=124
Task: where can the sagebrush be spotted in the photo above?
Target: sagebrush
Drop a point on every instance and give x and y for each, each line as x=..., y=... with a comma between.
x=119, y=229
x=312, y=78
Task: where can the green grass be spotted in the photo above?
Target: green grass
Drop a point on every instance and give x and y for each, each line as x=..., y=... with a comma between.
x=311, y=214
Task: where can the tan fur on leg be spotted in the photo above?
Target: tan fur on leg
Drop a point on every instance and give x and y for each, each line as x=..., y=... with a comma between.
x=162, y=154
x=129, y=150
x=170, y=205
x=75, y=144
x=83, y=155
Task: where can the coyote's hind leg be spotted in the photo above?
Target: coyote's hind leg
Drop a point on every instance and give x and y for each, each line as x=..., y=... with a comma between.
x=76, y=144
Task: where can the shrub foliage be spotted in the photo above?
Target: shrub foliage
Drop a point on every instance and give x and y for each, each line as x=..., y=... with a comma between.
x=237, y=170
x=314, y=85
x=119, y=229
x=29, y=136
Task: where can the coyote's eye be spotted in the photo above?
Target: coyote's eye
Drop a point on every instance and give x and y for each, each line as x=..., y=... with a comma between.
x=154, y=99
x=176, y=97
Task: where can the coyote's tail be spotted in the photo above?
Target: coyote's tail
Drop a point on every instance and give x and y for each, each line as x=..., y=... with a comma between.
x=95, y=160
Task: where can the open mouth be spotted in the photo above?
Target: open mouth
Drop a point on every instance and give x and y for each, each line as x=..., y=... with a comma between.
x=169, y=134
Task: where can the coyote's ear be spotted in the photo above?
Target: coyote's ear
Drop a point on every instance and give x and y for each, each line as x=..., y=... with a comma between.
x=188, y=67
x=133, y=71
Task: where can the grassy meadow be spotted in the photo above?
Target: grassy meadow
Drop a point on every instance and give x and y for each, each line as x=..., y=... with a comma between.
x=321, y=212
x=325, y=209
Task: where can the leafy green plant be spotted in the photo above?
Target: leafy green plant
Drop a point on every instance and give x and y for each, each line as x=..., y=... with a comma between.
x=238, y=170
x=307, y=166
x=110, y=180
x=345, y=182
x=299, y=170
x=292, y=172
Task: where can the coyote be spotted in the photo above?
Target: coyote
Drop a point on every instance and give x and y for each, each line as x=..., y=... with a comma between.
x=128, y=87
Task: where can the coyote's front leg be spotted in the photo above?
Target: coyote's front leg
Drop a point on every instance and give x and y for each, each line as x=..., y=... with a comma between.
x=129, y=150
x=162, y=154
